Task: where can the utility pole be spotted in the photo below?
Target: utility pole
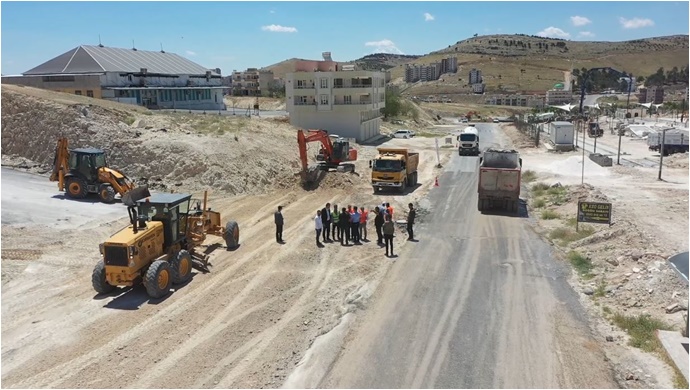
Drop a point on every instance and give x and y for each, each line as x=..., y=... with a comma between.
x=583, y=152
x=661, y=152
x=627, y=112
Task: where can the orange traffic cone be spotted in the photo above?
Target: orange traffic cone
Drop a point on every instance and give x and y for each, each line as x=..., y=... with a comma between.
x=436, y=182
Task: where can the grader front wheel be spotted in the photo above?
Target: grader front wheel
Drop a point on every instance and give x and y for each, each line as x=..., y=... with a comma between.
x=100, y=284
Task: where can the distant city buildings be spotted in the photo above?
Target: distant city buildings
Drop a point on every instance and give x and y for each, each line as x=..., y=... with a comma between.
x=431, y=72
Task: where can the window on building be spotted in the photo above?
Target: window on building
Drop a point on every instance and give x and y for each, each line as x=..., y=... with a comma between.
x=324, y=82
x=347, y=99
x=324, y=99
x=129, y=77
x=300, y=99
x=89, y=93
x=77, y=92
x=300, y=83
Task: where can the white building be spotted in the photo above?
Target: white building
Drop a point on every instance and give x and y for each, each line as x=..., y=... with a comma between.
x=319, y=95
x=475, y=76
x=558, y=96
x=478, y=88
x=154, y=79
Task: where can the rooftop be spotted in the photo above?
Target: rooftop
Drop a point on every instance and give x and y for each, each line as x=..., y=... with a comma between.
x=99, y=59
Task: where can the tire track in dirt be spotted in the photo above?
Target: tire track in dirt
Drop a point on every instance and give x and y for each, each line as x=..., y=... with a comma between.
x=178, y=308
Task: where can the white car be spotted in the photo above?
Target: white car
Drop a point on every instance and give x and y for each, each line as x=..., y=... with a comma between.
x=403, y=134
x=496, y=120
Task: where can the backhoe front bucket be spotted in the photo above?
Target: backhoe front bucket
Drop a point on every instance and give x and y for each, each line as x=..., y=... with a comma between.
x=132, y=196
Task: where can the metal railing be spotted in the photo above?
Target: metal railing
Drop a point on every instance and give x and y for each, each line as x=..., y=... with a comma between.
x=354, y=86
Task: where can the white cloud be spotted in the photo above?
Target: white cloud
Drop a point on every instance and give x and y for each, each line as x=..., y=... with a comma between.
x=190, y=53
x=586, y=34
x=636, y=22
x=579, y=20
x=553, y=32
x=428, y=17
x=384, y=46
x=279, y=28
x=272, y=11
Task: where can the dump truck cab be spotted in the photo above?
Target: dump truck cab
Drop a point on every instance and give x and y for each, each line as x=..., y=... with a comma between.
x=394, y=168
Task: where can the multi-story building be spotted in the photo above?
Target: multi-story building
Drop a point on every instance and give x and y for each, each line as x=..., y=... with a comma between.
x=320, y=95
x=653, y=95
x=517, y=100
x=478, y=88
x=252, y=82
x=558, y=96
x=431, y=72
x=475, y=76
x=155, y=79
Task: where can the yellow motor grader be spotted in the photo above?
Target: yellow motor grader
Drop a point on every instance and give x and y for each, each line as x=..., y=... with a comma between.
x=158, y=249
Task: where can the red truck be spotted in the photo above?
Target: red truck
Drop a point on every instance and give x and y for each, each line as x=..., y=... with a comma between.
x=499, y=180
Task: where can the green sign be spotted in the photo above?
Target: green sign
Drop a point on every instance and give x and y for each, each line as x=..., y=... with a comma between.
x=559, y=85
x=594, y=212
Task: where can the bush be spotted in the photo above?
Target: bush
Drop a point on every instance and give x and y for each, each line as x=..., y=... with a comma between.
x=583, y=265
x=642, y=330
x=529, y=176
x=568, y=235
x=549, y=214
x=539, y=203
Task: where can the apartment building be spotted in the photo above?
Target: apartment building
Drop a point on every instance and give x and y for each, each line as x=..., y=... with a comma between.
x=475, y=76
x=431, y=72
x=252, y=82
x=517, y=100
x=478, y=88
x=154, y=79
x=558, y=96
x=653, y=95
x=321, y=95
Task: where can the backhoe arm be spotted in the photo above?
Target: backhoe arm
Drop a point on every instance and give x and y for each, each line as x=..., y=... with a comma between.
x=60, y=163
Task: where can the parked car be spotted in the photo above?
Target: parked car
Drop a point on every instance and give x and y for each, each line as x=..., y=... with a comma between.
x=496, y=120
x=403, y=134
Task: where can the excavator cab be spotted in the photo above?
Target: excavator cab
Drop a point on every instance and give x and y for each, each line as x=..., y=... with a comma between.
x=341, y=150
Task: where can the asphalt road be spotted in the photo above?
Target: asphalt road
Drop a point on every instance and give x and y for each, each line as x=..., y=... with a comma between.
x=478, y=302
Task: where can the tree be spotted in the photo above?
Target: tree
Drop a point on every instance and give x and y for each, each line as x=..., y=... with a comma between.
x=393, y=104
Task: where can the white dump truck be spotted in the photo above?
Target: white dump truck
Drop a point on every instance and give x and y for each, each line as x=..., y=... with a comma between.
x=468, y=142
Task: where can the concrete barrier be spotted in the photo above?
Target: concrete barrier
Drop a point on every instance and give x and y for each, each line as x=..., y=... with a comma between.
x=604, y=161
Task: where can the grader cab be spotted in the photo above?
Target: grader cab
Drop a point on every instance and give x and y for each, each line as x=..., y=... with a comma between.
x=158, y=249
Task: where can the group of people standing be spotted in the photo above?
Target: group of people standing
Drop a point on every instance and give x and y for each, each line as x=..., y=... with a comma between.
x=349, y=224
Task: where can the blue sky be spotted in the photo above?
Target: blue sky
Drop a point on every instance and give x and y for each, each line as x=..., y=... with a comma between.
x=237, y=35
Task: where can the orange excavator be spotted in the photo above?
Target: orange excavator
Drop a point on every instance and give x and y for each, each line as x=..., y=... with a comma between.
x=82, y=171
x=333, y=154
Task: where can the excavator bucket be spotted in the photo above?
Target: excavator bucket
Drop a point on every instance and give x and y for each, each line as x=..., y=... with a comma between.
x=131, y=197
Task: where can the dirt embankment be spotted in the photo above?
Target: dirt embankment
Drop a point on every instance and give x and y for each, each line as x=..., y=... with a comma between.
x=174, y=151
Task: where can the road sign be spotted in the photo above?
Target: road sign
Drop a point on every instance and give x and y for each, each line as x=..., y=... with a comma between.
x=594, y=212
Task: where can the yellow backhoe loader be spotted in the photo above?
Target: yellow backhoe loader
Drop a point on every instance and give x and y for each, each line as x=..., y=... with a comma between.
x=158, y=248
x=80, y=172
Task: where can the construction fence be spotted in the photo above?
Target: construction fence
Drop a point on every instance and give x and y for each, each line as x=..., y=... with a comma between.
x=532, y=130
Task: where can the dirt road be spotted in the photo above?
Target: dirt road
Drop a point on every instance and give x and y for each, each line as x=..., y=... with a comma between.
x=245, y=324
x=478, y=302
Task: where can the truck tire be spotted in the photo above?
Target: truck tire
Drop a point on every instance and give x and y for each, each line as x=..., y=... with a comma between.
x=232, y=235
x=181, y=267
x=415, y=179
x=158, y=279
x=76, y=188
x=403, y=186
x=98, y=279
x=479, y=205
x=107, y=193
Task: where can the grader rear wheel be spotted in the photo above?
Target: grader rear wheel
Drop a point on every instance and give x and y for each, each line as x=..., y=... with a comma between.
x=158, y=279
x=181, y=267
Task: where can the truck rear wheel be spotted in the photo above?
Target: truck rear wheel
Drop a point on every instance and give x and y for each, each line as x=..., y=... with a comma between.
x=100, y=284
x=158, y=279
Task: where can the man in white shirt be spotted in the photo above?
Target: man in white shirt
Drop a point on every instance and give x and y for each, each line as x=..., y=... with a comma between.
x=318, y=225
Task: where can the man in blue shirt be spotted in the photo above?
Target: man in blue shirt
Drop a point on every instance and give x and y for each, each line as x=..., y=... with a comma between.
x=354, y=222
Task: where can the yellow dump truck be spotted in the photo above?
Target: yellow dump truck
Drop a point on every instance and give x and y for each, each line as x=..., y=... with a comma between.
x=394, y=168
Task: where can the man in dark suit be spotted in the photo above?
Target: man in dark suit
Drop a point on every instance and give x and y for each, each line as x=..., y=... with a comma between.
x=326, y=219
x=278, y=216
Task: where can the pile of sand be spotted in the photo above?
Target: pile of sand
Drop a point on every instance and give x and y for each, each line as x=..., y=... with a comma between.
x=678, y=160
